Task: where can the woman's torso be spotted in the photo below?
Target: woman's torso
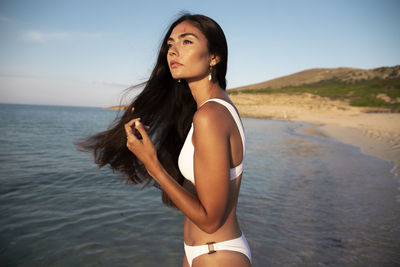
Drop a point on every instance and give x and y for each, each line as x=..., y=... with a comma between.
x=193, y=235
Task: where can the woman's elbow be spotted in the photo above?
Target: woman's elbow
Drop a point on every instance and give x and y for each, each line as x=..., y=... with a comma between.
x=212, y=226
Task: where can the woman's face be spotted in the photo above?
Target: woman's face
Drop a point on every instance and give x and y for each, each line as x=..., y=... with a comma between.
x=188, y=56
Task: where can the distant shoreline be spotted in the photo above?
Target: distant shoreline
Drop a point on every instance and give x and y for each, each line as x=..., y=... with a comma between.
x=116, y=108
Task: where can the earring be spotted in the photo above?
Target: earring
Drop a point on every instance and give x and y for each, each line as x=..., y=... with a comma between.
x=210, y=75
x=179, y=80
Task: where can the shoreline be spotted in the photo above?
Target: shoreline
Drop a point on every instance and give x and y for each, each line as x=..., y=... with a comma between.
x=371, y=145
x=373, y=131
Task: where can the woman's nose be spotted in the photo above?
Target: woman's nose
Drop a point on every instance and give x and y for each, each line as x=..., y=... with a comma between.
x=173, y=51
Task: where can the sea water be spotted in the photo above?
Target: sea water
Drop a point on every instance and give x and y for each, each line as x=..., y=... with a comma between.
x=305, y=200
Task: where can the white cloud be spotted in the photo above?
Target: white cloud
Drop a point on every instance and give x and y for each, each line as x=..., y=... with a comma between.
x=37, y=36
x=40, y=36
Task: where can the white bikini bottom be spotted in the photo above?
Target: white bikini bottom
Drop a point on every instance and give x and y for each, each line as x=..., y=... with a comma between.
x=238, y=244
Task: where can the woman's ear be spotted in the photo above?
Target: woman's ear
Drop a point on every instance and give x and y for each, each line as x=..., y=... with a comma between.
x=214, y=60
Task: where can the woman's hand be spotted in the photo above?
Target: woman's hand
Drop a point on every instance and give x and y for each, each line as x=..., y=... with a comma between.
x=140, y=144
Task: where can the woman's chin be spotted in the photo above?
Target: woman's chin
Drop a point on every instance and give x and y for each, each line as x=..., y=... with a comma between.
x=178, y=77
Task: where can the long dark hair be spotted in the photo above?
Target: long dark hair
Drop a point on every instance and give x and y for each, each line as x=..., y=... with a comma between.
x=166, y=105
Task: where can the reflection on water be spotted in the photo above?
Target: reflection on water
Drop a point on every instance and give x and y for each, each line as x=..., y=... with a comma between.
x=316, y=201
x=305, y=200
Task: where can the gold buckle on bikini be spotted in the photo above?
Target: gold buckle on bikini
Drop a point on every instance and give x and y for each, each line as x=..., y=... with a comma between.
x=211, y=244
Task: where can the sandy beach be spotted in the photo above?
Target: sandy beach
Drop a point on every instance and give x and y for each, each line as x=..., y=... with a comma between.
x=375, y=132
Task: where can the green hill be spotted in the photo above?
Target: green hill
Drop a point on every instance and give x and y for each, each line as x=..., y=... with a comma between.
x=378, y=87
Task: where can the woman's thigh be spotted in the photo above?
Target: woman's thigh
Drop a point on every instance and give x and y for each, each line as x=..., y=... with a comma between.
x=222, y=258
x=185, y=262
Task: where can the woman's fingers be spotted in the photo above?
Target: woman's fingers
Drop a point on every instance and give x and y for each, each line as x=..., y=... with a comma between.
x=129, y=129
x=139, y=143
x=131, y=122
x=141, y=129
x=133, y=130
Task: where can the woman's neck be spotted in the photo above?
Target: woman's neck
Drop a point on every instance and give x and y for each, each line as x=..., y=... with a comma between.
x=203, y=89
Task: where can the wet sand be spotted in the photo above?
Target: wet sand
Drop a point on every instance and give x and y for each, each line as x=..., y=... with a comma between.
x=374, y=131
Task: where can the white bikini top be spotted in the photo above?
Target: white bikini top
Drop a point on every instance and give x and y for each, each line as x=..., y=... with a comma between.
x=185, y=160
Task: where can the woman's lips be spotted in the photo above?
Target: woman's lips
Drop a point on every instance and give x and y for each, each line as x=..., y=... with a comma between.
x=174, y=64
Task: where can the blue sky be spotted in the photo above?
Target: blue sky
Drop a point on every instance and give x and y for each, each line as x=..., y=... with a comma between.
x=85, y=53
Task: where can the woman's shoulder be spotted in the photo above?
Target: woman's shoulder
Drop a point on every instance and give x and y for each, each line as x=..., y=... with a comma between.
x=211, y=114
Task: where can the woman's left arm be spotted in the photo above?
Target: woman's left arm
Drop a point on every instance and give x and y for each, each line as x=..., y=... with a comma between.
x=207, y=209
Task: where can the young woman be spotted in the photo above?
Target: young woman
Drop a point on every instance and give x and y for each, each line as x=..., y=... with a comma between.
x=193, y=143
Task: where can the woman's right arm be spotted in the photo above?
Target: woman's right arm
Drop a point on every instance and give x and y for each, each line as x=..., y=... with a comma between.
x=207, y=209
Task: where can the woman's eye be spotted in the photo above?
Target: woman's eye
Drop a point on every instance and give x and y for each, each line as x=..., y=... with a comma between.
x=187, y=42
x=169, y=46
